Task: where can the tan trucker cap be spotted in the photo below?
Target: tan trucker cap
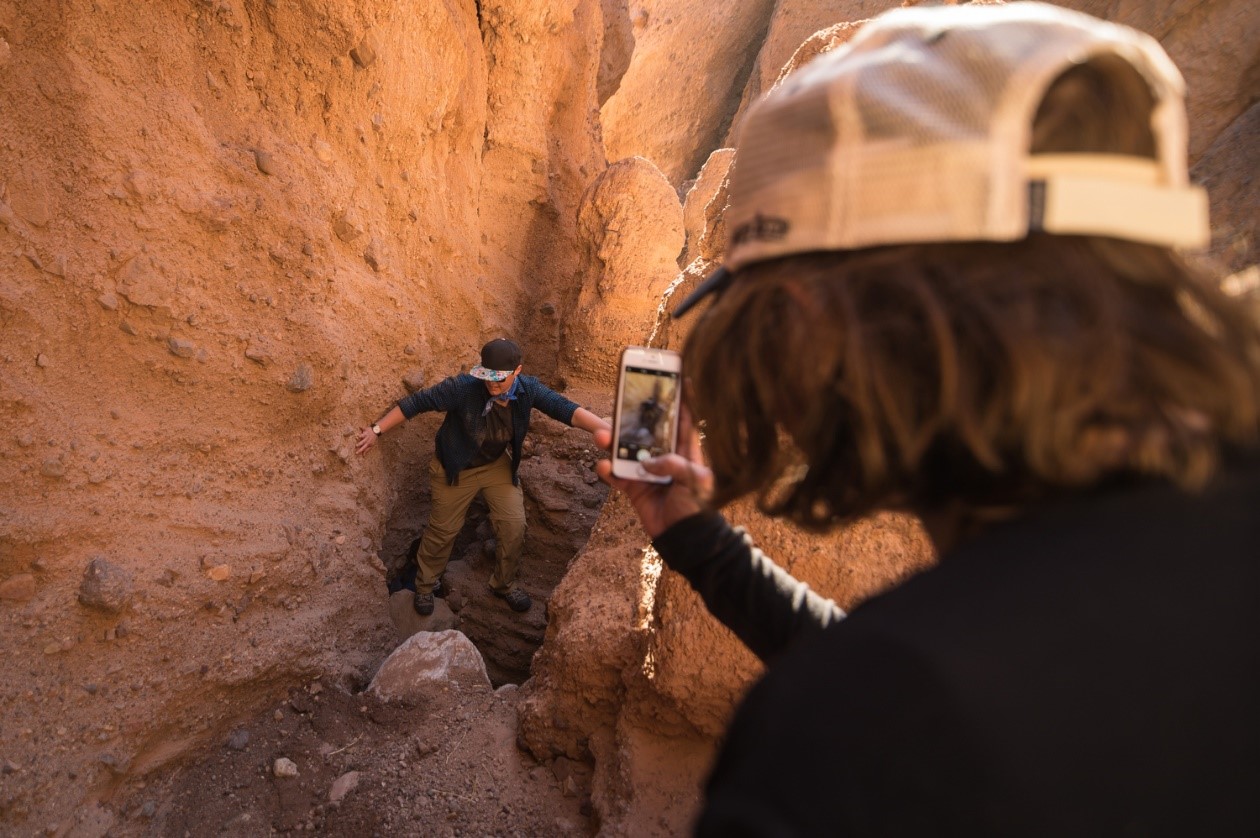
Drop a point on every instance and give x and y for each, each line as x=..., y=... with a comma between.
x=919, y=129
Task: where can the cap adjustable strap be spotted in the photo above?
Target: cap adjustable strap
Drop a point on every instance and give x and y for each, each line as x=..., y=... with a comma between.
x=1114, y=195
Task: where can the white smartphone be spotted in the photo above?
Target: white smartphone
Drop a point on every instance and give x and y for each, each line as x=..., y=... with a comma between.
x=645, y=418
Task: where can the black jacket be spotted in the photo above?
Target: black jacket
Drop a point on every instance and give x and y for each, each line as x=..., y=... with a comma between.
x=464, y=398
x=1092, y=668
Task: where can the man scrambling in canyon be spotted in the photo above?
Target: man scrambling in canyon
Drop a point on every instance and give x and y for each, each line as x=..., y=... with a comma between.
x=952, y=288
x=478, y=450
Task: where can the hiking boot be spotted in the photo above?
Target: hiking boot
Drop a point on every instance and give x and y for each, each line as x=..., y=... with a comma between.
x=423, y=603
x=439, y=589
x=517, y=599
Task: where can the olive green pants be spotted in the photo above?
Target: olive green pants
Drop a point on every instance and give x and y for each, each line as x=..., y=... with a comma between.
x=450, y=507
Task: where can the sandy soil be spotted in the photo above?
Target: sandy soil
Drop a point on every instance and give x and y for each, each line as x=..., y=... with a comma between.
x=446, y=766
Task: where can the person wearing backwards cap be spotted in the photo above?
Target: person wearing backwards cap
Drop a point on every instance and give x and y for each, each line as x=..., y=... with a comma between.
x=952, y=288
x=478, y=449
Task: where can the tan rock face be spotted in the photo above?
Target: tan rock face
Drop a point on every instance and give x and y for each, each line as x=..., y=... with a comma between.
x=793, y=23
x=232, y=233
x=683, y=83
x=703, y=215
x=631, y=222
x=539, y=153
x=703, y=208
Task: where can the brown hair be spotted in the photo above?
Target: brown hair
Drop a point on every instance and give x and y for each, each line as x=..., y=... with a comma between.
x=976, y=374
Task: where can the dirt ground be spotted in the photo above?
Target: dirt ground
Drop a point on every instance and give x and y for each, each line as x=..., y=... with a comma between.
x=443, y=767
x=448, y=764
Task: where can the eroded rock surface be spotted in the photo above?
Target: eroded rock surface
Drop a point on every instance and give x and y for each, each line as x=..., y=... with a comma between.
x=233, y=232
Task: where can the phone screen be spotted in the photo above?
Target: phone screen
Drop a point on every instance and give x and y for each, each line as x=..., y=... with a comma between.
x=649, y=408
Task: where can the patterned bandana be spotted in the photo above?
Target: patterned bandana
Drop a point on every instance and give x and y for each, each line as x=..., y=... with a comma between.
x=509, y=396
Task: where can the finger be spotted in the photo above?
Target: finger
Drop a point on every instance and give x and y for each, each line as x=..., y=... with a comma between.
x=668, y=465
x=695, y=476
x=603, y=469
x=603, y=439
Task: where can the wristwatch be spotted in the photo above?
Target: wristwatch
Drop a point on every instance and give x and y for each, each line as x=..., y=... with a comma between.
x=376, y=429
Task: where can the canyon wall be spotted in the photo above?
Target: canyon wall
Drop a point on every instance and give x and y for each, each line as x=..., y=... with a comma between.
x=231, y=231
x=234, y=231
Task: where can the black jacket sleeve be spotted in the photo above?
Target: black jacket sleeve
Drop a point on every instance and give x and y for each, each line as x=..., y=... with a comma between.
x=766, y=607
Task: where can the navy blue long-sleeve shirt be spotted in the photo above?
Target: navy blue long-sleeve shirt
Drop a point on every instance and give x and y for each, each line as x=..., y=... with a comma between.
x=463, y=398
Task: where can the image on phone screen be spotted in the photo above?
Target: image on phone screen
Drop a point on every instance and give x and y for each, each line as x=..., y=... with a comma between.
x=648, y=406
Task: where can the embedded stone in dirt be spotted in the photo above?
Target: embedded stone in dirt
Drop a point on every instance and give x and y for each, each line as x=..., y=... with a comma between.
x=19, y=588
x=285, y=768
x=105, y=586
x=343, y=785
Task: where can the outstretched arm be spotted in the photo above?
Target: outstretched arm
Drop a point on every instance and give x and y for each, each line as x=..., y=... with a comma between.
x=441, y=396
x=367, y=437
x=589, y=422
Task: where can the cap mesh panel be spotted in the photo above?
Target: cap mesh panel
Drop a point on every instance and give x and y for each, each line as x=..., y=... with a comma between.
x=944, y=90
x=798, y=135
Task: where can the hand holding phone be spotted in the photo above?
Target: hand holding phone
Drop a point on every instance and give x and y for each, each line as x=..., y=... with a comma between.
x=660, y=505
x=645, y=416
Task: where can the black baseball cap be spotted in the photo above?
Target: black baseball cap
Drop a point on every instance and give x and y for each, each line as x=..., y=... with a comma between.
x=499, y=359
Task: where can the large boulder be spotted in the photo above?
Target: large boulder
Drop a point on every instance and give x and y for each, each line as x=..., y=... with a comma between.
x=430, y=660
x=632, y=227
